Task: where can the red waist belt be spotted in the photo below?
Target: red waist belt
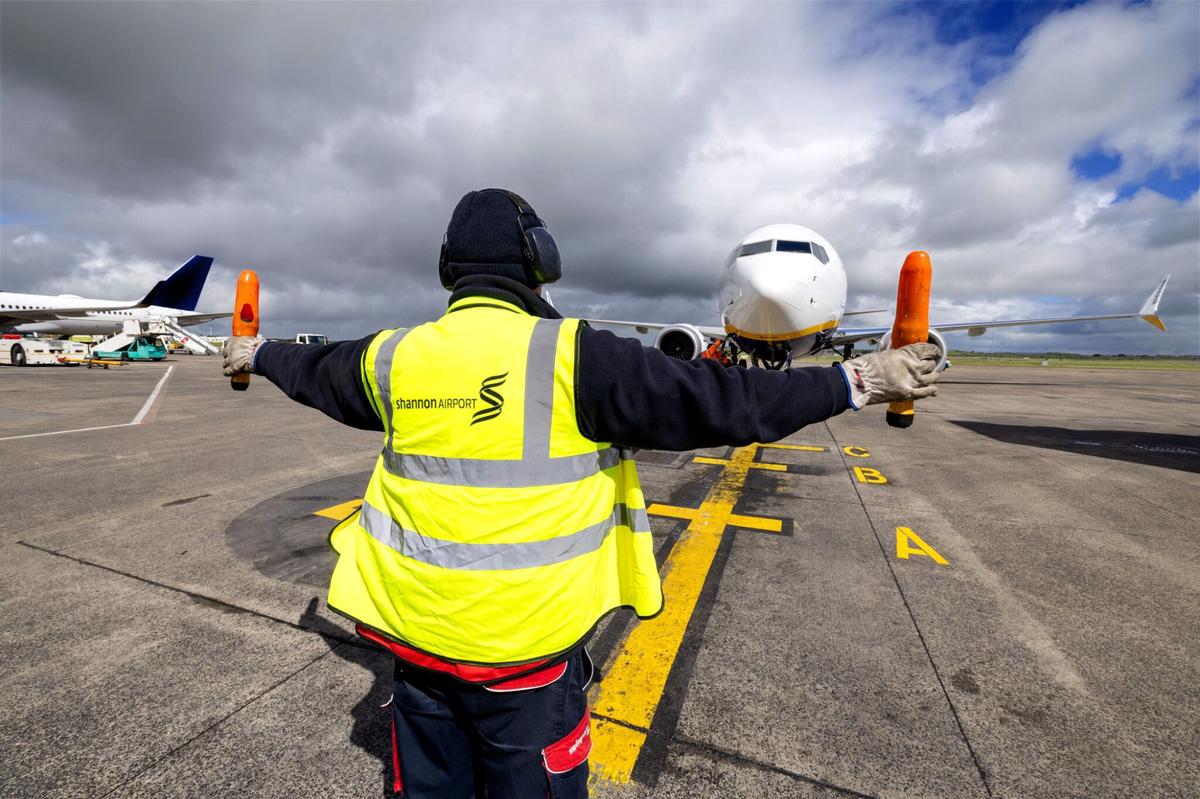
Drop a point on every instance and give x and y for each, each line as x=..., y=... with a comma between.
x=497, y=678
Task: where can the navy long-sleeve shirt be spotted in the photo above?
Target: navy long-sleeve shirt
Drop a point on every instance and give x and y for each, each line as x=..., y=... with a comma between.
x=626, y=393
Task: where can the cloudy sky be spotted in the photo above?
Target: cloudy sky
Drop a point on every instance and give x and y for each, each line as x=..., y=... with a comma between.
x=1047, y=155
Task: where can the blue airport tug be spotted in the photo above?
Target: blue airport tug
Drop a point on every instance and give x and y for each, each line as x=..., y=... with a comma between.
x=143, y=348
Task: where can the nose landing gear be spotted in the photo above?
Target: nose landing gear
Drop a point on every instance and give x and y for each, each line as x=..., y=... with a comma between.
x=777, y=357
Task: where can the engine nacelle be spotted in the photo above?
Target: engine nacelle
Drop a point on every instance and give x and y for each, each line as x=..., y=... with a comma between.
x=935, y=337
x=684, y=342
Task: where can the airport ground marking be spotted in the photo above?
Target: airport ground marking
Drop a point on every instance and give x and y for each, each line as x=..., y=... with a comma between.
x=339, y=511
x=904, y=535
x=856, y=452
x=625, y=702
x=137, y=420
x=865, y=474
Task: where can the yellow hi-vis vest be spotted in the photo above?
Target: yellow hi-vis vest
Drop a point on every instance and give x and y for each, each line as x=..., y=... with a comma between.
x=492, y=531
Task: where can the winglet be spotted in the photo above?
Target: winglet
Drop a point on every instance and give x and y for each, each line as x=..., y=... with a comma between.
x=1149, y=310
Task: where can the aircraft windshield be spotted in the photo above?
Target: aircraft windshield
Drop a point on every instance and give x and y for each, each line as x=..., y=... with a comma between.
x=755, y=248
x=805, y=247
x=811, y=248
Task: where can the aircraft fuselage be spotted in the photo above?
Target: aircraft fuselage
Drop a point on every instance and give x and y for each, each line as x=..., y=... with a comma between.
x=89, y=323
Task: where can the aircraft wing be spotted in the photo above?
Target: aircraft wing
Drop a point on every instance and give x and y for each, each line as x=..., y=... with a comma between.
x=646, y=327
x=864, y=313
x=201, y=318
x=1148, y=312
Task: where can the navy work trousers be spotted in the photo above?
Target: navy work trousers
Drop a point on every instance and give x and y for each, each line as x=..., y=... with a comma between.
x=455, y=740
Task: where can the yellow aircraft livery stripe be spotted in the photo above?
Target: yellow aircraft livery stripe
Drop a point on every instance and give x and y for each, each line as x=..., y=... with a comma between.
x=771, y=337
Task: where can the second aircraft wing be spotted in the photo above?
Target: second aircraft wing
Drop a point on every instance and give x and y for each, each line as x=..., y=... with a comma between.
x=1148, y=312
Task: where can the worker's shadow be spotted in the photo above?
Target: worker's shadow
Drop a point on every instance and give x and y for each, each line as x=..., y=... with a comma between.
x=372, y=721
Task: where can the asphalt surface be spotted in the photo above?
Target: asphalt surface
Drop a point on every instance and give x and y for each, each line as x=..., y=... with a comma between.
x=163, y=632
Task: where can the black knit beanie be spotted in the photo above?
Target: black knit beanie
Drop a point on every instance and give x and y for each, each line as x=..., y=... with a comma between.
x=485, y=236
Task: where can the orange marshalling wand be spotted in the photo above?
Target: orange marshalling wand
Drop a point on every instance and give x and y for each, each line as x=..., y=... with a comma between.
x=912, y=321
x=245, y=317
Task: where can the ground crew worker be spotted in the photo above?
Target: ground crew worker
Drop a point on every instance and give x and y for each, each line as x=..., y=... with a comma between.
x=715, y=353
x=504, y=518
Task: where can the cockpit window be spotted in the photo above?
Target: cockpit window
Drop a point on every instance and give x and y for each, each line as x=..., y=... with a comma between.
x=810, y=247
x=755, y=248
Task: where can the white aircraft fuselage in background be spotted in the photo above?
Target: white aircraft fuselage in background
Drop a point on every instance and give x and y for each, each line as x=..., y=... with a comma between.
x=92, y=322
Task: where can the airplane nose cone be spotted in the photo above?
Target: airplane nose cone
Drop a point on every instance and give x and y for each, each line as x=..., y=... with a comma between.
x=783, y=297
x=780, y=292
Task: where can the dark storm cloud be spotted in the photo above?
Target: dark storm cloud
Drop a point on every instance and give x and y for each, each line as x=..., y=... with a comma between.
x=147, y=100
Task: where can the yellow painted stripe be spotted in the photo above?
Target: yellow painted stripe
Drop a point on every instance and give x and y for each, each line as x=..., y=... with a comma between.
x=674, y=511
x=772, y=337
x=615, y=750
x=771, y=467
x=339, y=512
x=756, y=523
x=634, y=684
x=710, y=461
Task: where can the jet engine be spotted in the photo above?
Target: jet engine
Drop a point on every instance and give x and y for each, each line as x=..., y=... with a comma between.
x=885, y=343
x=684, y=342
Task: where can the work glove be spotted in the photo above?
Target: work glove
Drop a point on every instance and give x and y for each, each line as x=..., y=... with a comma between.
x=239, y=354
x=892, y=375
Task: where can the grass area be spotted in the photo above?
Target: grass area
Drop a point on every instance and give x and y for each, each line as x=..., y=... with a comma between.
x=1072, y=361
x=1058, y=360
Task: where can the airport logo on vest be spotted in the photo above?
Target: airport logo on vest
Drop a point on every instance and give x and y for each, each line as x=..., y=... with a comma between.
x=493, y=398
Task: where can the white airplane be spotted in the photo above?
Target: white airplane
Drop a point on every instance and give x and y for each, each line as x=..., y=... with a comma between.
x=171, y=302
x=783, y=295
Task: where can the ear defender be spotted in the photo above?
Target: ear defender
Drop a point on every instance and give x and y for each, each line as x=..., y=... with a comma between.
x=543, y=264
x=444, y=272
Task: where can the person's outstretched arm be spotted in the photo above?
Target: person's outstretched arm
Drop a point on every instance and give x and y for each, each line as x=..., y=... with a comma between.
x=327, y=377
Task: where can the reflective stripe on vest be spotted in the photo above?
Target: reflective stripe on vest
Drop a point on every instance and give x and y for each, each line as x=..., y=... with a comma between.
x=524, y=555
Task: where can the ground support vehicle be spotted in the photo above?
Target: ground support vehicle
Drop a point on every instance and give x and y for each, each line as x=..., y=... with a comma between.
x=21, y=351
x=140, y=348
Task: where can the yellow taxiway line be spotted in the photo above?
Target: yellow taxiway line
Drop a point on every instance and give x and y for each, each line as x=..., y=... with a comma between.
x=625, y=702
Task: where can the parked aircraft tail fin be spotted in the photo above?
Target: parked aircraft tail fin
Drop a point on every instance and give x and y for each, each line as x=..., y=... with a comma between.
x=182, y=288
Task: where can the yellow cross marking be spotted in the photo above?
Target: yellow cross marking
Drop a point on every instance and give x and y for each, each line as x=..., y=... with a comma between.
x=628, y=697
x=773, y=467
x=735, y=519
x=339, y=512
